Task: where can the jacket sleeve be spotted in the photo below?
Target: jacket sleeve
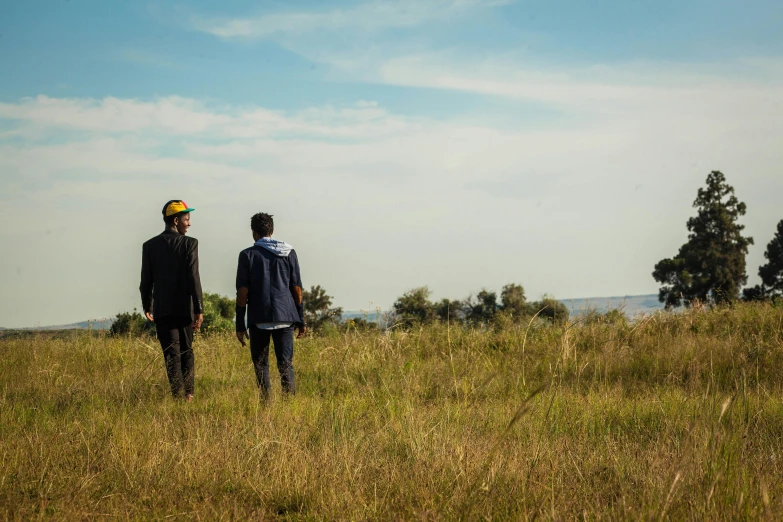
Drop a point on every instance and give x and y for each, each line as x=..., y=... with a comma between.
x=243, y=271
x=296, y=280
x=145, y=287
x=195, y=278
x=243, y=281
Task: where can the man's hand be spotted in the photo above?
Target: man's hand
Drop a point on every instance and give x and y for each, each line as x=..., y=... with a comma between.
x=198, y=321
x=302, y=331
x=149, y=316
x=241, y=336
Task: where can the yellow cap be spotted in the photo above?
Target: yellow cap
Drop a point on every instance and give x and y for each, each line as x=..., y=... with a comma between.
x=176, y=207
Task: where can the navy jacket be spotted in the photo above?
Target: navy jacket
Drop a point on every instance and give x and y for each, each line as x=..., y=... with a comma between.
x=270, y=280
x=170, y=282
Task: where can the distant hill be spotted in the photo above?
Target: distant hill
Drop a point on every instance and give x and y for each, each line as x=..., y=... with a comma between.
x=632, y=305
x=94, y=324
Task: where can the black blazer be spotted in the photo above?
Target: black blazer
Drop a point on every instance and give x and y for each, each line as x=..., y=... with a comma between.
x=170, y=282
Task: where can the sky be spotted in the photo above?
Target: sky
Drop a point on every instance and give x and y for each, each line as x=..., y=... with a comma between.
x=459, y=144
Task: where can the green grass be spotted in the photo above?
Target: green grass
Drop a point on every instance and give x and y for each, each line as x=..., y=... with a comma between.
x=677, y=416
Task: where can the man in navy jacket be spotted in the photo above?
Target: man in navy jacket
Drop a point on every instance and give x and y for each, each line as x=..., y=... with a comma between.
x=269, y=288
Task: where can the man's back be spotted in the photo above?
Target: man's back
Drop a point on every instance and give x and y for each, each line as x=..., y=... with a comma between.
x=270, y=279
x=169, y=275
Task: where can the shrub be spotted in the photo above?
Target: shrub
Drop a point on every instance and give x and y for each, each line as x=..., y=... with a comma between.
x=414, y=307
x=131, y=323
x=550, y=309
x=218, y=313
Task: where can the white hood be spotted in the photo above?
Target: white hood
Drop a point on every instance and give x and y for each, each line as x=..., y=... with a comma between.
x=281, y=248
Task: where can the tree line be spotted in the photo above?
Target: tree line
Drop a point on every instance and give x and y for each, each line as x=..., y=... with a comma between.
x=411, y=309
x=414, y=307
x=710, y=267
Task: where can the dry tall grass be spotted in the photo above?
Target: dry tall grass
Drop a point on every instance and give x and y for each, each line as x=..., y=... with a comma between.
x=675, y=416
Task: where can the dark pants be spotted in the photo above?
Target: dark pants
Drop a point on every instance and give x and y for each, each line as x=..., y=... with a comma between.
x=283, y=339
x=176, y=338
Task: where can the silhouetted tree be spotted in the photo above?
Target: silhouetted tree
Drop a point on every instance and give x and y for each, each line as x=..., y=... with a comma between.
x=482, y=308
x=450, y=310
x=710, y=267
x=549, y=308
x=771, y=273
x=755, y=293
x=513, y=301
x=414, y=307
x=318, y=308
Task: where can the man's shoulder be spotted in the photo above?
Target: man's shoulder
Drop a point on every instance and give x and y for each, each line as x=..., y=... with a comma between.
x=250, y=252
x=153, y=240
x=163, y=238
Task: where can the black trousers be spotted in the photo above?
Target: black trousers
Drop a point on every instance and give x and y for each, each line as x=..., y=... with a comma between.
x=283, y=339
x=176, y=339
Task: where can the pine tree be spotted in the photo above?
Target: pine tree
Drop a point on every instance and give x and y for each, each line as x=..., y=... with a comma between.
x=710, y=267
x=771, y=273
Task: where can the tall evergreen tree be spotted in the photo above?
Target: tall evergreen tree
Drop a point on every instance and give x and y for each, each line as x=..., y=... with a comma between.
x=710, y=267
x=771, y=273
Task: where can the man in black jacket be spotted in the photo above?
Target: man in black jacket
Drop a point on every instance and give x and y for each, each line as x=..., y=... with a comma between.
x=171, y=294
x=270, y=286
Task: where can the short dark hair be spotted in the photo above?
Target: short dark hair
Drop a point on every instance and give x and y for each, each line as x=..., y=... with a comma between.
x=169, y=220
x=262, y=224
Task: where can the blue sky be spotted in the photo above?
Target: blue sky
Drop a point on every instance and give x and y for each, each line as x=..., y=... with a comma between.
x=456, y=143
x=144, y=50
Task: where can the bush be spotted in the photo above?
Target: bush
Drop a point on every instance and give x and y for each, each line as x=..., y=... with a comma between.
x=131, y=323
x=550, y=309
x=414, y=307
x=614, y=317
x=361, y=324
x=219, y=313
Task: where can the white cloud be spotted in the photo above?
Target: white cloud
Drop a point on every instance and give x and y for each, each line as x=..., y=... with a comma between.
x=172, y=114
x=692, y=105
x=177, y=116
x=575, y=87
x=363, y=17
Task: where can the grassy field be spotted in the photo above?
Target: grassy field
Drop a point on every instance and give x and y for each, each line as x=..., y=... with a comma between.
x=672, y=417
